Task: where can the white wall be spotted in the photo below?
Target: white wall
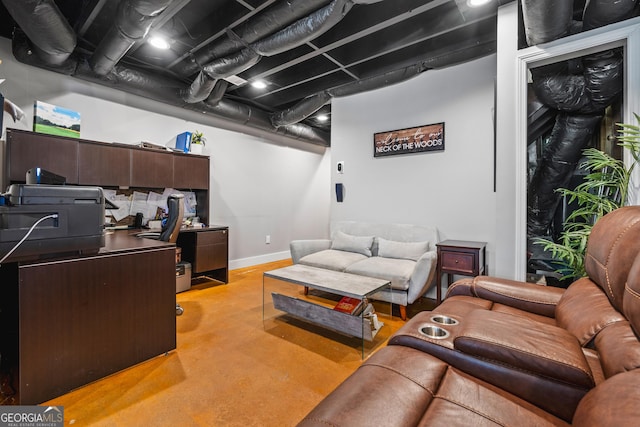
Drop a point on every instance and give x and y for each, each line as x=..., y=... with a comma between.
x=258, y=187
x=451, y=189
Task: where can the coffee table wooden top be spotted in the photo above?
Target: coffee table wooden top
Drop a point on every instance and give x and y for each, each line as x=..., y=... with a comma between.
x=336, y=282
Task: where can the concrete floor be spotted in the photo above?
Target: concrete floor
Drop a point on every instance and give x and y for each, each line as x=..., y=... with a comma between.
x=229, y=368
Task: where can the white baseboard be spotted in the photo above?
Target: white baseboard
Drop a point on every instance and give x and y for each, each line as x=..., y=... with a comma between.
x=260, y=259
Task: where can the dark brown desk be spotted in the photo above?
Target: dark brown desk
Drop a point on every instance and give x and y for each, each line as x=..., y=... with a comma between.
x=207, y=249
x=70, y=321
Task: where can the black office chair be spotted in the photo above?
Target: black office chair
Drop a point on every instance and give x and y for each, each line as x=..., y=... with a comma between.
x=171, y=228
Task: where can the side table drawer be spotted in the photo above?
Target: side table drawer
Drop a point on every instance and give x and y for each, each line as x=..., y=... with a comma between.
x=458, y=261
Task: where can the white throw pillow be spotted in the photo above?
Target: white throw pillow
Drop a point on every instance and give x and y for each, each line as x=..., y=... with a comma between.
x=358, y=244
x=401, y=250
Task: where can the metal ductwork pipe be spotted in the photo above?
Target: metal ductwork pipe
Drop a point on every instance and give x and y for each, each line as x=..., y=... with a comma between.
x=579, y=93
x=310, y=105
x=258, y=27
x=546, y=20
x=301, y=110
x=304, y=30
x=379, y=81
x=134, y=20
x=167, y=91
x=294, y=35
x=598, y=13
x=205, y=81
x=259, y=119
x=569, y=137
x=23, y=52
x=590, y=92
x=52, y=37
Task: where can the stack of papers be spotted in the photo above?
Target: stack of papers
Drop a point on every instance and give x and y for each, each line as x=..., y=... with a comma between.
x=149, y=204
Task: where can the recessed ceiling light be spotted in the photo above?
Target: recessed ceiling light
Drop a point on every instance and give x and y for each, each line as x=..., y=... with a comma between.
x=322, y=118
x=477, y=3
x=259, y=84
x=159, y=43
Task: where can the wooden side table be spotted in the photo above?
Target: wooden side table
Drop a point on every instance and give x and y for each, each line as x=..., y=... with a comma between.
x=460, y=257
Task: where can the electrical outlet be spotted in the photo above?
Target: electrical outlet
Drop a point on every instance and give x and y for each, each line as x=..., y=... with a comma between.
x=267, y=239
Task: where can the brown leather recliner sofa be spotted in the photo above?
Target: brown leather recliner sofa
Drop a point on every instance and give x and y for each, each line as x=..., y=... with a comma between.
x=502, y=352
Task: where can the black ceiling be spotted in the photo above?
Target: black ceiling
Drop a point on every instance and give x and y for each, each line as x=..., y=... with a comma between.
x=370, y=40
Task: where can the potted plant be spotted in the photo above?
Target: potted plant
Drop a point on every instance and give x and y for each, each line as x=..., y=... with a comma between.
x=197, y=142
x=605, y=188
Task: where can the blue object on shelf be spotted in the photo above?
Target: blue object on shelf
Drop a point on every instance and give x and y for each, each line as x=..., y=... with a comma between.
x=183, y=141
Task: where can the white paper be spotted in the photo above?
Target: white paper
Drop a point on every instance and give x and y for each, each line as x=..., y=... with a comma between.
x=138, y=203
x=124, y=205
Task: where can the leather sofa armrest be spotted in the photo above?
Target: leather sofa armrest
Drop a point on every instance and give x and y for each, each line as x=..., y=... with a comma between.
x=301, y=248
x=613, y=403
x=543, y=350
x=525, y=296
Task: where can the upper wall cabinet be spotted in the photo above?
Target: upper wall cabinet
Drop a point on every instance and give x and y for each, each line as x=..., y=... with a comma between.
x=26, y=150
x=152, y=169
x=104, y=164
x=190, y=172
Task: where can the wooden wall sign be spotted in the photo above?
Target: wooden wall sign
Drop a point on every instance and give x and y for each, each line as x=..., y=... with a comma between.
x=409, y=141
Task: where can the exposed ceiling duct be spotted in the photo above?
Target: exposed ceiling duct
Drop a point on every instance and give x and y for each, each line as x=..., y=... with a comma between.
x=310, y=51
x=54, y=45
x=254, y=29
x=132, y=24
x=294, y=35
x=578, y=90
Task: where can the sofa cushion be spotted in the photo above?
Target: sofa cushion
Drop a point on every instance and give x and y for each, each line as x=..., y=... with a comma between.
x=332, y=259
x=398, y=271
x=358, y=244
x=619, y=349
x=585, y=310
x=401, y=250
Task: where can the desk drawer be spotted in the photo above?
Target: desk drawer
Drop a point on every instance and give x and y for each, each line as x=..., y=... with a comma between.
x=211, y=257
x=458, y=261
x=211, y=237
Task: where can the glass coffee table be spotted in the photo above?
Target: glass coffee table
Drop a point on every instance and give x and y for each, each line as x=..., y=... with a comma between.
x=285, y=290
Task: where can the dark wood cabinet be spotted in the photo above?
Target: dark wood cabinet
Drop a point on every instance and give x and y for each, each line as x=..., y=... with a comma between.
x=104, y=164
x=207, y=250
x=52, y=153
x=190, y=172
x=152, y=169
x=460, y=257
x=69, y=322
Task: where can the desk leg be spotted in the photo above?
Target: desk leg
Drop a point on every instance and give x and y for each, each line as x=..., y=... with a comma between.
x=438, y=284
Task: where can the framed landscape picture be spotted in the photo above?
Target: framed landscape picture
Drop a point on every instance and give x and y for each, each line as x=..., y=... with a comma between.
x=55, y=120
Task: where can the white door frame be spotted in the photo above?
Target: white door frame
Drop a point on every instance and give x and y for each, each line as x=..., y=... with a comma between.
x=626, y=34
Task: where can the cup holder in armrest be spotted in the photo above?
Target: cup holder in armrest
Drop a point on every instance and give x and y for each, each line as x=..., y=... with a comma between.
x=444, y=320
x=433, y=331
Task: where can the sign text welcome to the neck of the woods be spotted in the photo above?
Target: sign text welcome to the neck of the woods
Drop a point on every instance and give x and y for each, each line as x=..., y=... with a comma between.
x=409, y=141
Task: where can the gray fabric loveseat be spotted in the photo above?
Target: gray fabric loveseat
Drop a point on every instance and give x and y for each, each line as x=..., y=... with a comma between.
x=405, y=254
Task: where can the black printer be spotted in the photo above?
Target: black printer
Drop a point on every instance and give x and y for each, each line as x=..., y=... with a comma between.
x=71, y=220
